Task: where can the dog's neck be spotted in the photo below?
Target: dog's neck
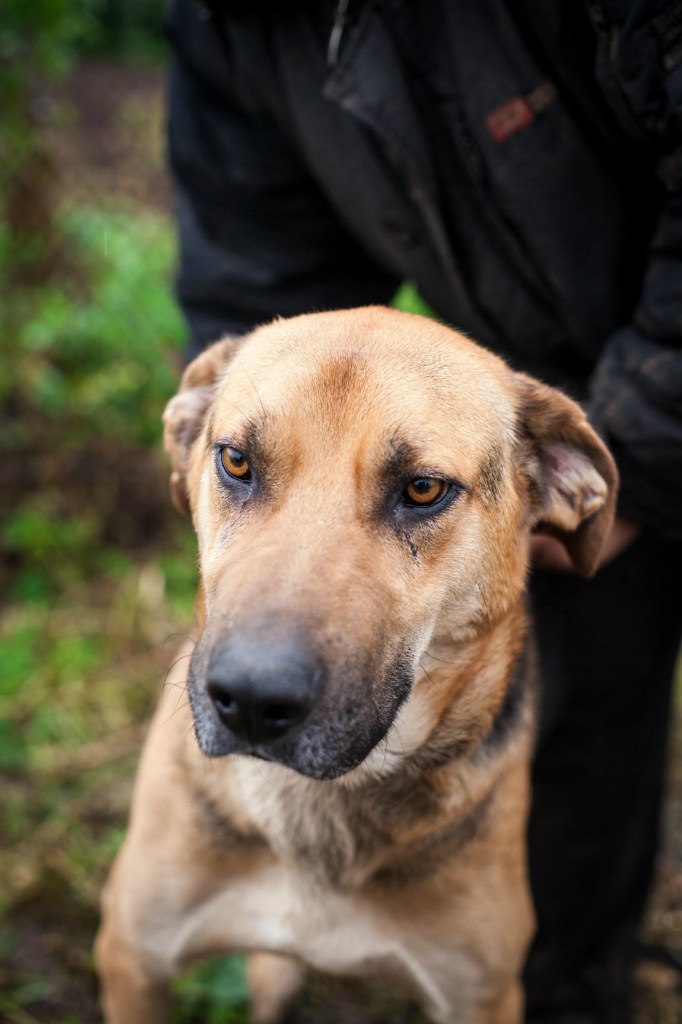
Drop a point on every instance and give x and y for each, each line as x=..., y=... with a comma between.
x=462, y=694
x=482, y=684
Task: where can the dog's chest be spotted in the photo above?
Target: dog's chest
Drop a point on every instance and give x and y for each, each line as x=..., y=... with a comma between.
x=340, y=879
x=327, y=873
x=348, y=839
x=287, y=911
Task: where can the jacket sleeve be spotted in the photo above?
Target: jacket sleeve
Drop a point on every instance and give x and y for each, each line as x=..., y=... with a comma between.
x=636, y=395
x=258, y=238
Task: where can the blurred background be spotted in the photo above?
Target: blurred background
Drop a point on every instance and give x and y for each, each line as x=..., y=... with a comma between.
x=97, y=572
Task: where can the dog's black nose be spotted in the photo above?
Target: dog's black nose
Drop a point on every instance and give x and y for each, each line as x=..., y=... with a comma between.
x=260, y=691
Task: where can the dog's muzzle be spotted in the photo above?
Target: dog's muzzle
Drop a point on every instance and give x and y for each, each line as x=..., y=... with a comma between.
x=278, y=691
x=263, y=689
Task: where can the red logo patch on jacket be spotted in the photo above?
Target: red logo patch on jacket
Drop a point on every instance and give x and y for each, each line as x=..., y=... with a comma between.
x=517, y=113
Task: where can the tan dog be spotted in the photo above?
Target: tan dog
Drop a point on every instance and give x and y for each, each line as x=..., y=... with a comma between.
x=363, y=485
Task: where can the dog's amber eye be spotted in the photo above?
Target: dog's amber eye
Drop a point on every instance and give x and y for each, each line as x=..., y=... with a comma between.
x=235, y=463
x=425, y=490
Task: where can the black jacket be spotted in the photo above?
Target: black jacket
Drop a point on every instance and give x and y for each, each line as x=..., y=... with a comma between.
x=520, y=160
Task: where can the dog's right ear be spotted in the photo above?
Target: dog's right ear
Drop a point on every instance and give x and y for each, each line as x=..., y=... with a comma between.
x=185, y=414
x=572, y=476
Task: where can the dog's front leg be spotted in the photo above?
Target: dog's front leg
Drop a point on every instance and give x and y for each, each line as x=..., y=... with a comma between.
x=155, y=882
x=274, y=982
x=130, y=995
x=508, y=1009
x=132, y=964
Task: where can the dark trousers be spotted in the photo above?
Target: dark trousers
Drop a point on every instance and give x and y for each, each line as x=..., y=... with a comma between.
x=607, y=654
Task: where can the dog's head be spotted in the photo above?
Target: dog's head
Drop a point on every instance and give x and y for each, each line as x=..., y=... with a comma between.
x=360, y=483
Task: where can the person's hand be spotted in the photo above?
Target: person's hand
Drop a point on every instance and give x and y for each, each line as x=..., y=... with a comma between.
x=549, y=554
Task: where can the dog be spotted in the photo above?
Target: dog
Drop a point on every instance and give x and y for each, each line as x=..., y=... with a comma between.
x=347, y=786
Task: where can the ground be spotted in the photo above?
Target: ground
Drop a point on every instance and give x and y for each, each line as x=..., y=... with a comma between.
x=92, y=653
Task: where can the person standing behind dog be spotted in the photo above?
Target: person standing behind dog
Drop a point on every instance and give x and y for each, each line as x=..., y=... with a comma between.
x=521, y=161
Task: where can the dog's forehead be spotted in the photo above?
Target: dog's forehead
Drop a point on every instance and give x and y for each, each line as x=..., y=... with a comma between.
x=398, y=373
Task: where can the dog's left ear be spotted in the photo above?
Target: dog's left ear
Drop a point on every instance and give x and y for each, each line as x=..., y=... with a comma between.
x=185, y=414
x=572, y=476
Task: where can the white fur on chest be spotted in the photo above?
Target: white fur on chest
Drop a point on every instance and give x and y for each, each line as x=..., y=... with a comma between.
x=282, y=911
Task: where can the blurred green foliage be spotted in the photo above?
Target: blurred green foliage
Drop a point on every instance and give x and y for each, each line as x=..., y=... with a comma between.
x=409, y=300
x=213, y=993
x=124, y=28
x=47, y=35
x=85, y=372
x=39, y=40
x=89, y=347
x=40, y=37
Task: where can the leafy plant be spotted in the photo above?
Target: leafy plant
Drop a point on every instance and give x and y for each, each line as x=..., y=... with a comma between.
x=213, y=993
x=86, y=370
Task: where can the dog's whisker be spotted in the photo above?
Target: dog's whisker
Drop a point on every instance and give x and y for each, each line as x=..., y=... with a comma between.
x=441, y=661
x=174, y=637
x=180, y=657
x=426, y=672
x=179, y=703
x=171, y=684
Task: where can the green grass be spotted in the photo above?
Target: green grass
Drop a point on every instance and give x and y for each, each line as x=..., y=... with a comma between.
x=409, y=300
x=90, y=350
x=213, y=993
